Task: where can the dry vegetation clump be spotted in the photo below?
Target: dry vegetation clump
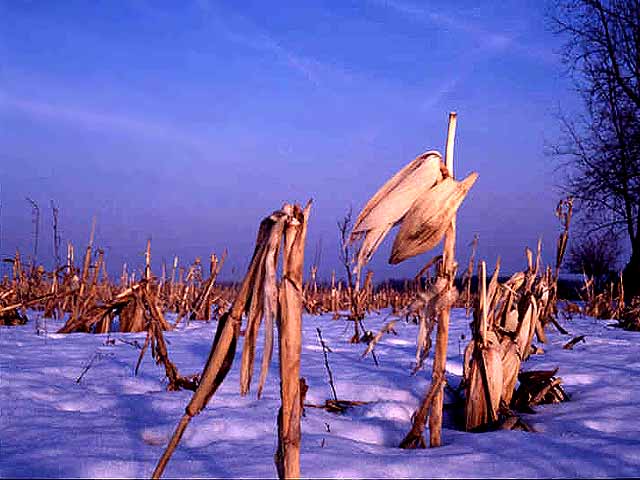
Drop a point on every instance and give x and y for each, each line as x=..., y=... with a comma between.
x=336, y=298
x=28, y=288
x=537, y=387
x=507, y=317
x=609, y=304
x=605, y=304
x=92, y=302
x=423, y=199
x=630, y=317
x=95, y=304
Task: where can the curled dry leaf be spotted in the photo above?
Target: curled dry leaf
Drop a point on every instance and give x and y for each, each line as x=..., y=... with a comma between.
x=387, y=328
x=262, y=298
x=515, y=282
x=429, y=217
x=372, y=240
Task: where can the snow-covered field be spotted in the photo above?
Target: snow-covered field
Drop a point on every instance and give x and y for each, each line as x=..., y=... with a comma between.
x=114, y=424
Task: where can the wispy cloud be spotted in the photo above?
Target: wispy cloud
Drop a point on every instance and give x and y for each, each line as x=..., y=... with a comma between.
x=485, y=43
x=105, y=121
x=241, y=31
x=262, y=42
x=487, y=39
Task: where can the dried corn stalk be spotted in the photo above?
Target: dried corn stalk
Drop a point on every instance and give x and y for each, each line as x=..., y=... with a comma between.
x=423, y=198
x=287, y=457
x=258, y=296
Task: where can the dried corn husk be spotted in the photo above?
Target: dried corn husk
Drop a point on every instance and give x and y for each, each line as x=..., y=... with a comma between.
x=493, y=295
x=485, y=382
x=392, y=201
x=370, y=244
x=270, y=309
x=511, y=321
x=510, y=368
x=533, y=312
x=468, y=357
x=525, y=317
x=516, y=281
x=483, y=366
x=264, y=283
x=132, y=316
x=429, y=217
x=492, y=356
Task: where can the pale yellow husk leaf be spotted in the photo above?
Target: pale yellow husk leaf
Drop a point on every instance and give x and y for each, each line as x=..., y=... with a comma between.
x=429, y=217
x=392, y=201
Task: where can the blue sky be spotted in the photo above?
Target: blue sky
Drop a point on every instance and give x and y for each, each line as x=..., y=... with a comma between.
x=188, y=122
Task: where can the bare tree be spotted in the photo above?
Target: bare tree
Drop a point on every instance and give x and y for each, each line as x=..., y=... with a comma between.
x=595, y=255
x=601, y=148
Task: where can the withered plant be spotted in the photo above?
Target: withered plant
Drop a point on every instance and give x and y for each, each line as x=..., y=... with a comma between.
x=423, y=199
x=260, y=297
x=506, y=318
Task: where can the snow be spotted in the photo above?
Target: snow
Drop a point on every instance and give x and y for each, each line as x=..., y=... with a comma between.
x=113, y=424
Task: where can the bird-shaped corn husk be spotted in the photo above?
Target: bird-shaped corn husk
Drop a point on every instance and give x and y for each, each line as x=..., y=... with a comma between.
x=370, y=244
x=429, y=217
x=394, y=198
x=392, y=202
